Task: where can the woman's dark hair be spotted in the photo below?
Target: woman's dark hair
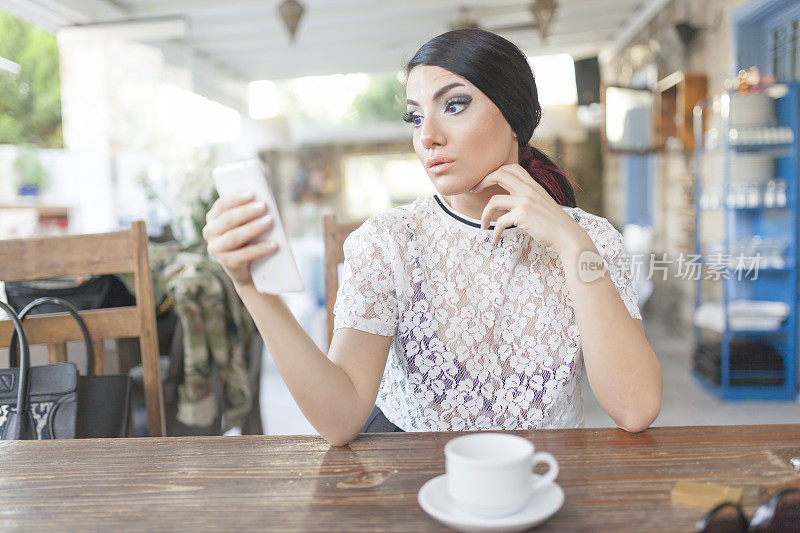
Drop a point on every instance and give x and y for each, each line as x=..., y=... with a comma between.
x=499, y=69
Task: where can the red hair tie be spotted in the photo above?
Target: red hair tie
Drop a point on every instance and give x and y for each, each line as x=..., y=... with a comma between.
x=545, y=175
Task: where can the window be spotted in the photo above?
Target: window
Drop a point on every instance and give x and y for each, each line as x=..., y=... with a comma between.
x=377, y=182
x=784, y=47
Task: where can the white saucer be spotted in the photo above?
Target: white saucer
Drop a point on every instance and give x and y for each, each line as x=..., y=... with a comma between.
x=435, y=500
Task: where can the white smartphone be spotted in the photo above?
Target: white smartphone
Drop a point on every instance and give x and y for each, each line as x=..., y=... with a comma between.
x=276, y=273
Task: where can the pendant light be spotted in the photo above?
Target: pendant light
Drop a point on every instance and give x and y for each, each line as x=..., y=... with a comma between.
x=291, y=11
x=544, y=12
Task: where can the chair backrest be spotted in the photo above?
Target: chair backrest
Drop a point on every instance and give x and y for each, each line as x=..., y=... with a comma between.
x=334, y=235
x=77, y=255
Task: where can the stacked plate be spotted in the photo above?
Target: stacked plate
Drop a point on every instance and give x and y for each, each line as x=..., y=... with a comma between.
x=753, y=364
x=755, y=315
x=751, y=109
x=751, y=168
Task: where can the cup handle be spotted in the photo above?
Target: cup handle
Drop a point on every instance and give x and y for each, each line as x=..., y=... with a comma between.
x=552, y=472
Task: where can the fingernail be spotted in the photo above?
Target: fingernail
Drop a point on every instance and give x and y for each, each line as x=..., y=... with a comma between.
x=246, y=195
x=266, y=220
x=259, y=205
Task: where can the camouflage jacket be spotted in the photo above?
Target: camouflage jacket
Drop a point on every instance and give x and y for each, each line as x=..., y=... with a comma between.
x=217, y=330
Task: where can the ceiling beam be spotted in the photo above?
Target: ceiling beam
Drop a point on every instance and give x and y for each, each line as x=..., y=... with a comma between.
x=353, y=46
x=386, y=64
x=255, y=34
x=342, y=18
x=33, y=13
x=173, y=28
x=86, y=11
x=98, y=16
x=633, y=26
x=340, y=11
x=347, y=61
x=578, y=51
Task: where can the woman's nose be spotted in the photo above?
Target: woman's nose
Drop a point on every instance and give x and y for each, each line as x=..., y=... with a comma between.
x=431, y=133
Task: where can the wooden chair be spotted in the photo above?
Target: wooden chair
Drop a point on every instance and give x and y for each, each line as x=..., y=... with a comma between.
x=76, y=255
x=334, y=235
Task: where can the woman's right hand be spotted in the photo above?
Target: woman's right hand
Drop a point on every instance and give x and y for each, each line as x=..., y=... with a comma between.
x=232, y=223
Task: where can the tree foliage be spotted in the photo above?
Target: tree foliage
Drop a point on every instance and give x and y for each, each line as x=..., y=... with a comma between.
x=384, y=100
x=30, y=102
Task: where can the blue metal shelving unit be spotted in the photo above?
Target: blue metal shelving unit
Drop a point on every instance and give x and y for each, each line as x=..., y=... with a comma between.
x=773, y=284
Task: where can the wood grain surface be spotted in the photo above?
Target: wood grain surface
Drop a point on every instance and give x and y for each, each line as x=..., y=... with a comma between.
x=614, y=481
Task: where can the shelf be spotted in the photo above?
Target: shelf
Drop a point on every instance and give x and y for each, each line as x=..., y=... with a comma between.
x=761, y=137
x=754, y=147
x=767, y=269
x=741, y=224
x=747, y=209
x=676, y=96
x=750, y=392
x=45, y=211
x=781, y=331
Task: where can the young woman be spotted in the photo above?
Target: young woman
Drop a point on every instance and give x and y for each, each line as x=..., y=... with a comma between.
x=479, y=307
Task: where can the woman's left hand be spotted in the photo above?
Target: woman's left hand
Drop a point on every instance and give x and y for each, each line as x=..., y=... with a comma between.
x=529, y=207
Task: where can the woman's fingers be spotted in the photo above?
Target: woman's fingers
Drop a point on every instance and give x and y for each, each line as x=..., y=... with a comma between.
x=502, y=223
x=239, y=236
x=226, y=202
x=506, y=178
x=498, y=202
x=232, y=217
x=240, y=258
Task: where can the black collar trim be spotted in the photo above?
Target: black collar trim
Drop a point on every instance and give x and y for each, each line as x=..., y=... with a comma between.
x=458, y=217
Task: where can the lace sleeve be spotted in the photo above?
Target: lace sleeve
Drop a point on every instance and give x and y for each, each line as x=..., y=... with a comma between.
x=366, y=299
x=608, y=242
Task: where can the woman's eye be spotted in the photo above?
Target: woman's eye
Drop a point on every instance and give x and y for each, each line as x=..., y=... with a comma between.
x=413, y=119
x=456, y=106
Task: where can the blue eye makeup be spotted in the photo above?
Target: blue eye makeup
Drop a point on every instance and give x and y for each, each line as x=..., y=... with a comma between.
x=454, y=105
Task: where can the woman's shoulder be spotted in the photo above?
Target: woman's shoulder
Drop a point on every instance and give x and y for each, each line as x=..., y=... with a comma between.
x=386, y=224
x=589, y=221
x=398, y=216
x=603, y=233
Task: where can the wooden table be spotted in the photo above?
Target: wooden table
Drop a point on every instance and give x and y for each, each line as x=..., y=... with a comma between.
x=614, y=481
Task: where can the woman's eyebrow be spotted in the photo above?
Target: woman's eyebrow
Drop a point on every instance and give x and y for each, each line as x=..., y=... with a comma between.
x=438, y=93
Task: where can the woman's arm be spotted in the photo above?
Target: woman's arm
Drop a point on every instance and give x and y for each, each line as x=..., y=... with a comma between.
x=622, y=368
x=335, y=393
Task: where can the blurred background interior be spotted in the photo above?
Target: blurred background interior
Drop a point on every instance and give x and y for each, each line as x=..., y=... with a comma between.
x=678, y=118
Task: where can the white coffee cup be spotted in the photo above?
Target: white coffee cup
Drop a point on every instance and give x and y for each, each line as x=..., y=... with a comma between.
x=491, y=474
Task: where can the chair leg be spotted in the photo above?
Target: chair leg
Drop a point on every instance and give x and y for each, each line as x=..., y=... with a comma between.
x=57, y=352
x=253, y=424
x=153, y=396
x=154, y=399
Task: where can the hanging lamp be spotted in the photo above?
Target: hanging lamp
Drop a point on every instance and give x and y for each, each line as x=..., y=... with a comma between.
x=291, y=11
x=544, y=12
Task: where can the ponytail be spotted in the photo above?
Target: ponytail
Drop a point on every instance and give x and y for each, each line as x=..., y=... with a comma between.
x=548, y=175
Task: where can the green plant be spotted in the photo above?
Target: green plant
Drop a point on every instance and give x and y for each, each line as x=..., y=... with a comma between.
x=30, y=102
x=30, y=169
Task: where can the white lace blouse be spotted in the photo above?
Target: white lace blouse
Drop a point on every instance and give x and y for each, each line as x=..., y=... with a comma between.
x=484, y=336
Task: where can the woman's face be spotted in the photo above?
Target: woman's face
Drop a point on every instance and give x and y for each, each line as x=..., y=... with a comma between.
x=454, y=120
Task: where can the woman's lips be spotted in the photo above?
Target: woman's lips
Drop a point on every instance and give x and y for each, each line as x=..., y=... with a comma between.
x=442, y=167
